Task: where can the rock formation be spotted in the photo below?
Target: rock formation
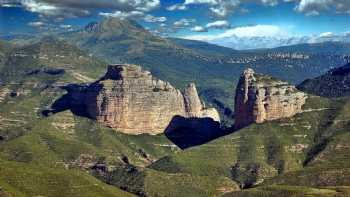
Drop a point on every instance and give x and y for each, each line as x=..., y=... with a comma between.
x=132, y=101
x=261, y=98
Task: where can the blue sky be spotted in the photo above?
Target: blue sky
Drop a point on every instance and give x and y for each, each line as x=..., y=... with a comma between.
x=206, y=20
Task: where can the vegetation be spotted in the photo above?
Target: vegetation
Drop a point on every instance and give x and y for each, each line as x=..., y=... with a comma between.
x=69, y=155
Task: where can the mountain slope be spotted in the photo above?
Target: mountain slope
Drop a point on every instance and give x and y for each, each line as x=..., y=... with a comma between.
x=52, y=57
x=204, y=47
x=339, y=48
x=40, y=155
x=335, y=83
x=274, y=153
x=71, y=148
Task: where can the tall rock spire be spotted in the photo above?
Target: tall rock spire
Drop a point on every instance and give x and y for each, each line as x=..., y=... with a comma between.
x=260, y=98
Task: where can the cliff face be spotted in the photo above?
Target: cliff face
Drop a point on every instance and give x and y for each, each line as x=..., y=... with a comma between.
x=130, y=100
x=335, y=83
x=261, y=98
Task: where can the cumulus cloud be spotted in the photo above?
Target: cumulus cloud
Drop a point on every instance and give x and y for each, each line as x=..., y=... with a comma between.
x=315, y=7
x=246, y=31
x=123, y=15
x=177, y=6
x=63, y=26
x=73, y=8
x=223, y=8
x=221, y=24
x=326, y=34
x=312, y=7
x=214, y=2
x=153, y=19
x=36, y=24
x=265, y=36
x=184, y=22
x=199, y=29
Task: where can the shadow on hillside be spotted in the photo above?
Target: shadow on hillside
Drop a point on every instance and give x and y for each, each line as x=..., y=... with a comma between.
x=72, y=101
x=189, y=132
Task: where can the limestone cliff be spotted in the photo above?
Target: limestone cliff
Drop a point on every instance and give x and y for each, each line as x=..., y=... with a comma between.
x=261, y=98
x=132, y=101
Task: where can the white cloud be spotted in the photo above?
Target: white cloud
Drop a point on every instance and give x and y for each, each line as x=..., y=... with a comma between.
x=63, y=26
x=246, y=31
x=257, y=31
x=315, y=7
x=221, y=24
x=184, y=22
x=312, y=7
x=265, y=36
x=36, y=24
x=223, y=8
x=123, y=15
x=213, y=2
x=153, y=19
x=177, y=7
x=73, y=8
x=199, y=29
x=326, y=34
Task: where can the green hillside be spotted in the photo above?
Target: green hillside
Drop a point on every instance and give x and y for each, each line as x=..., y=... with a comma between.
x=47, y=154
x=334, y=83
x=309, y=151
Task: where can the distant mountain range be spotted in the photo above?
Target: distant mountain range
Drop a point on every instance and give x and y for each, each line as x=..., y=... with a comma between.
x=244, y=43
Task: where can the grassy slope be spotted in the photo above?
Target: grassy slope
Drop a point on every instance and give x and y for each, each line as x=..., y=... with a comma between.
x=30, y=142
x=280, y=147
x=22, y=179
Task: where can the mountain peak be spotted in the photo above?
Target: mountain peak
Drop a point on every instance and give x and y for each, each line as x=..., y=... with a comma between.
x=112, y=24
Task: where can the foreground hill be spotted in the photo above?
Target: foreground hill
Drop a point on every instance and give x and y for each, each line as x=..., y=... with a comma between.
x=278, y=154
x=33, y=151
x=335, y=83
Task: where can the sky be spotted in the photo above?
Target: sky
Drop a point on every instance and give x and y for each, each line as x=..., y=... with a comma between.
x=248, y=23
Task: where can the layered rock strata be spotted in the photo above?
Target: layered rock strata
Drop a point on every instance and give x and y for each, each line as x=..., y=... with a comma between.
x=132, y=101
x=261, y=98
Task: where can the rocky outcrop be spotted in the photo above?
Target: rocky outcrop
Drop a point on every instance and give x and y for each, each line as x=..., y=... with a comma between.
x=261, y=98
x=132, y=101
